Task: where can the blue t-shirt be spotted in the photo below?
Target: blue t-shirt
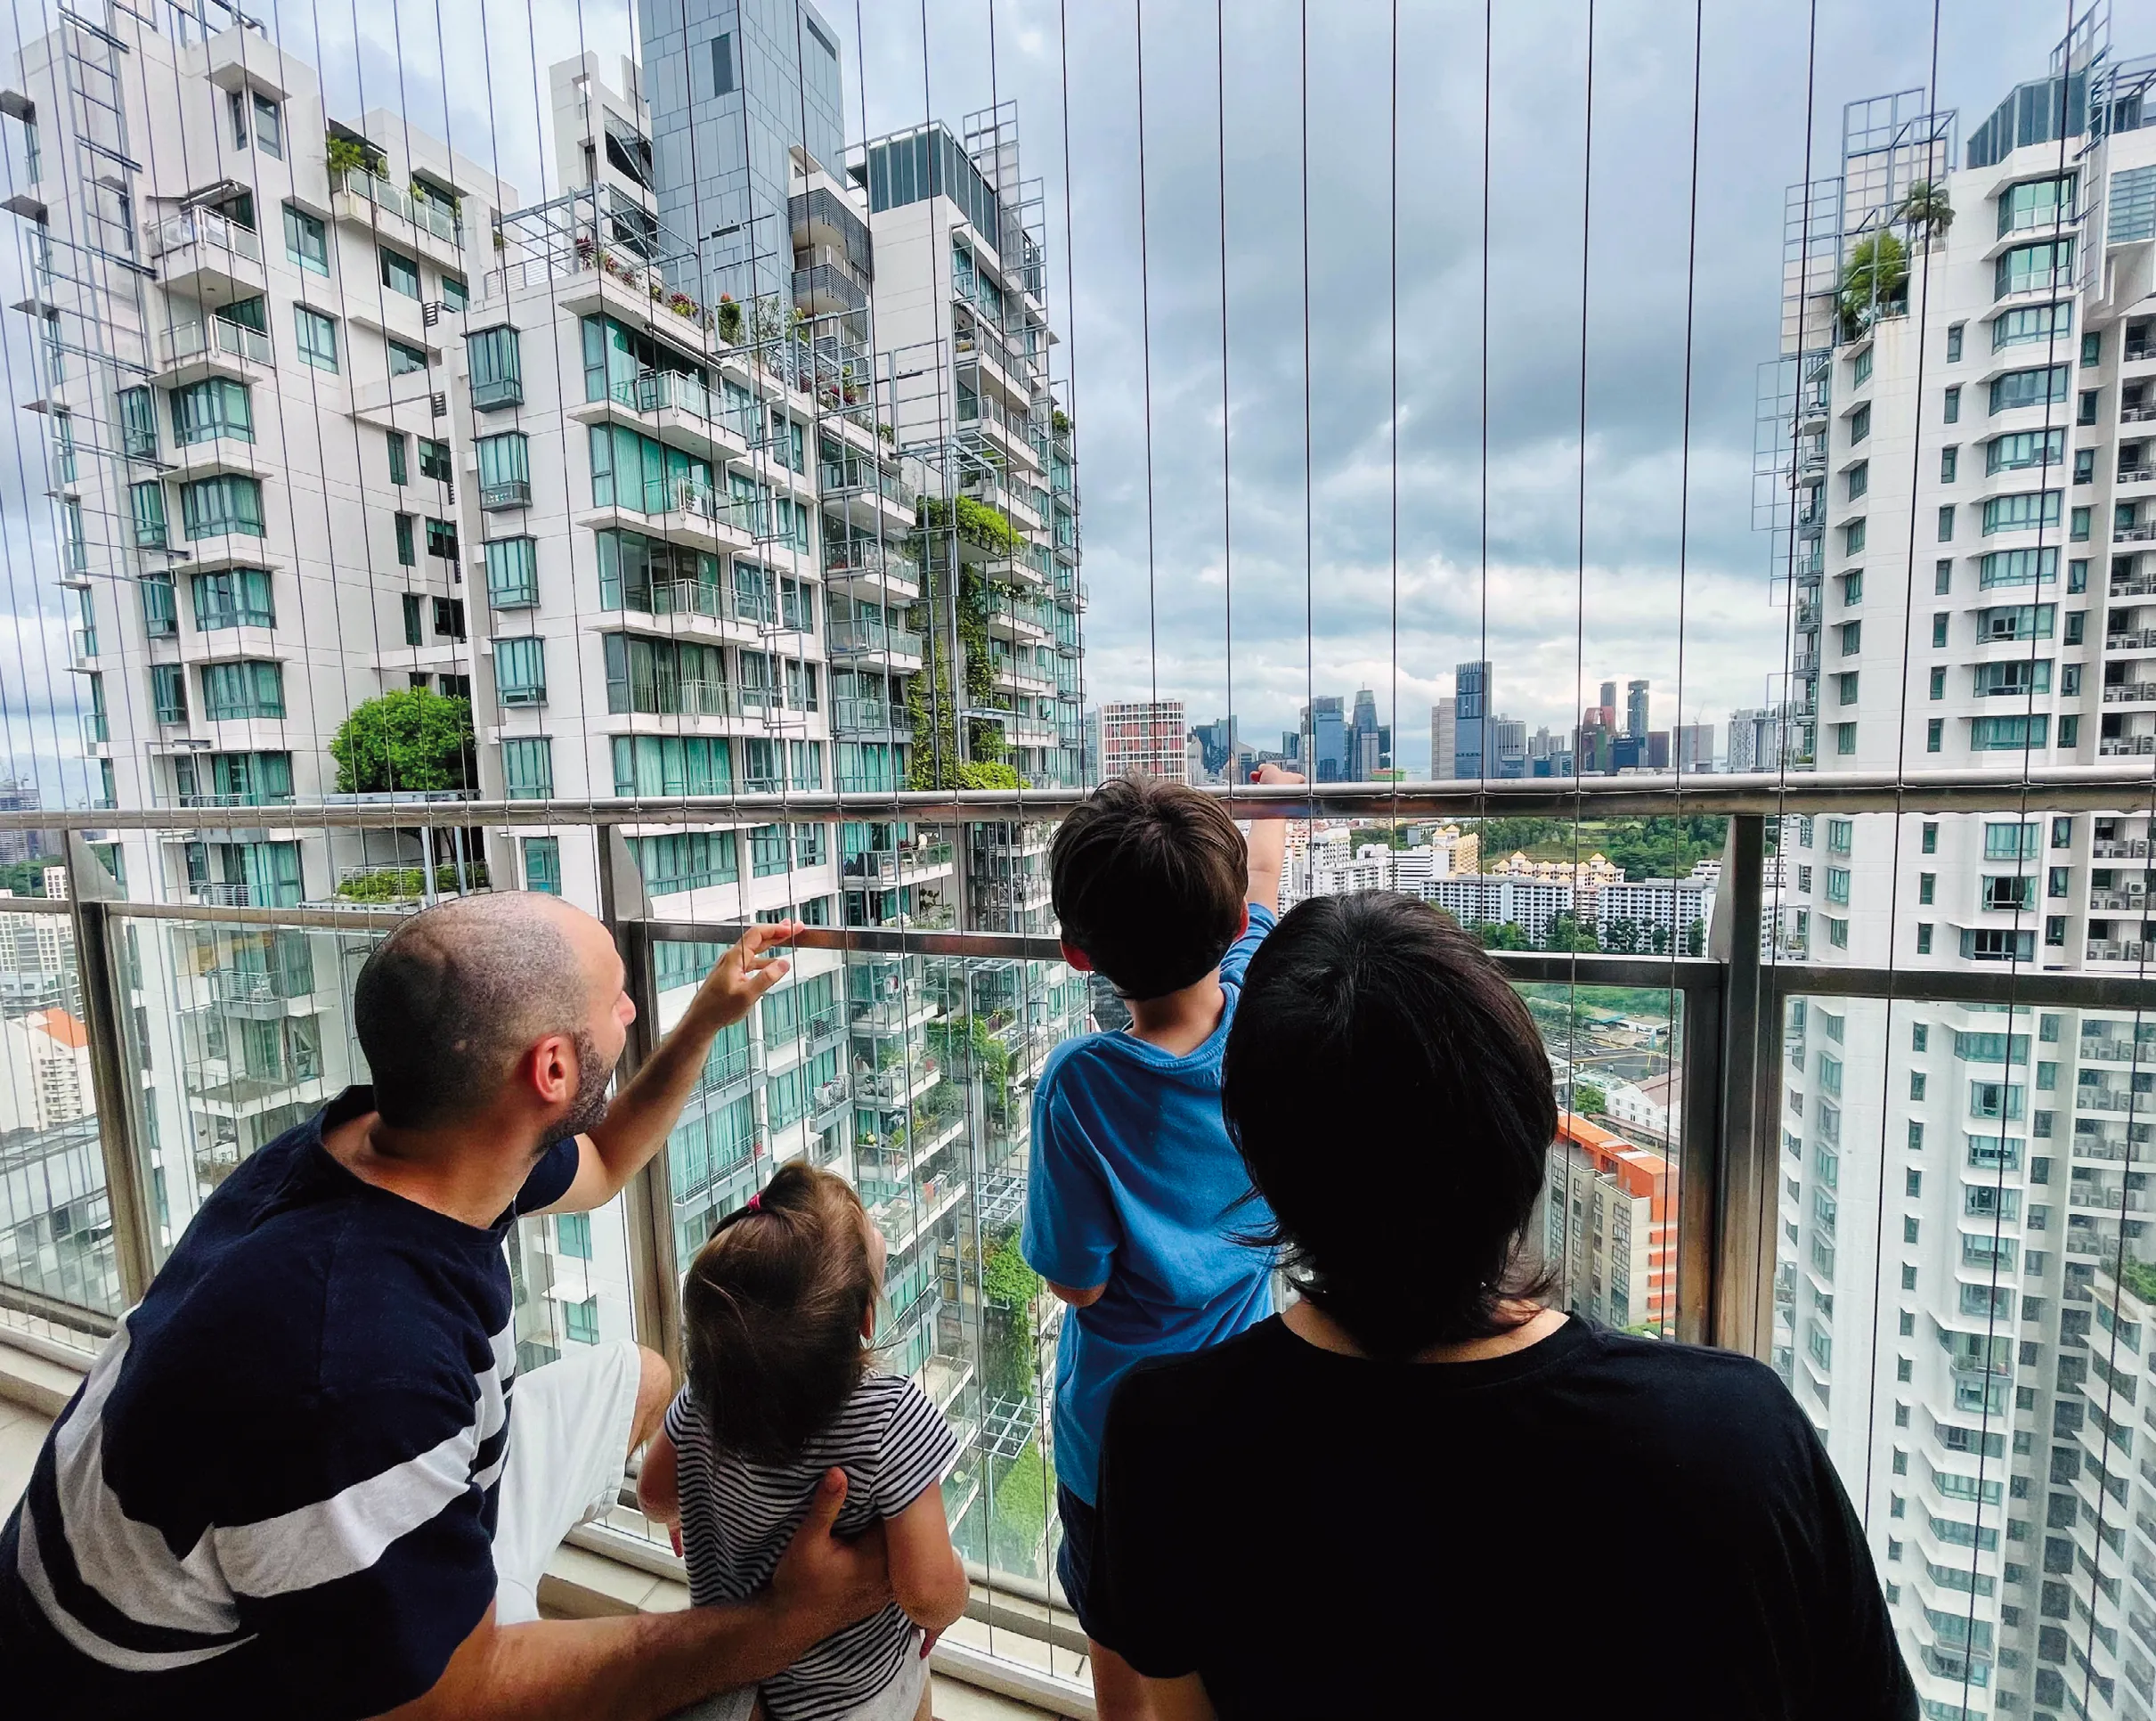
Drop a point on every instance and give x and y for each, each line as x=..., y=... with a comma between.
x=274, y=1493
x=1133, y=1183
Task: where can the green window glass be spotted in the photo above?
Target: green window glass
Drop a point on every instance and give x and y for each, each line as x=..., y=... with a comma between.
x=2025, y=323
x=400, y=274
x=408, y=553
x=512, y=572
x=686, y=861
x=414, y=621
x=316, y=335
x=542, y=868
x=237, y=597
x=672, y=765
x=505, y=471
x=405, y=358
x=146, y=503
x=434, y=460
x=2046, y=386
x=206, y=411
x=161, y=606
x=454, y=294
x=2024, y=513
x=306, y=240
x=520, y=670
x=138, y=424
x=211, y=508
x=251, y=688
x=168, y=692
x=527, y=766
x=497, y=368
x=398, y=471
x=2035, y=268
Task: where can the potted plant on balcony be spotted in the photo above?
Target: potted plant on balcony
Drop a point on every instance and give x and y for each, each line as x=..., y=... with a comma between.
x=729, y=319
x=1927, y=207
x=1874, y=281
x=682, y=306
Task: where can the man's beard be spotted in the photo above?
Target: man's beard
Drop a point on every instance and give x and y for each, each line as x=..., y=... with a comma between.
x=594, y=1074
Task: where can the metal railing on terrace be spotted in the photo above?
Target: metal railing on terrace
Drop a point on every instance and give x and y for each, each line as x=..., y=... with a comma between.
x=901, y=1055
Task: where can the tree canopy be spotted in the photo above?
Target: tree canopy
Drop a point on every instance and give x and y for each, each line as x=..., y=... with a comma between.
x=411, y=741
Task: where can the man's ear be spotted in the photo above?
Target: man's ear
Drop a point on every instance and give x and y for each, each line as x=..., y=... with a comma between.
x=549, y=1070
x=1075, y=957
x=1245, y=928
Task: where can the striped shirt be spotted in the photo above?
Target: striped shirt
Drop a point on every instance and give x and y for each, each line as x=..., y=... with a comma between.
x=274, y=1493
x=737, y=1517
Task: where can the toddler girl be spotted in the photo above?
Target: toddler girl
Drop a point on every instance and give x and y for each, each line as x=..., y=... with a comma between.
x=778, y=1310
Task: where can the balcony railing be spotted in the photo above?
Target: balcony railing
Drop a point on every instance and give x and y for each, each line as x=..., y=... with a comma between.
x=188, y=340
x=420, y=211
x=965, y=1011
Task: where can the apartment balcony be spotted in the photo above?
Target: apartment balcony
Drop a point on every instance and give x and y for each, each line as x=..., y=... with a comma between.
x=2129, y=693
x=510, y=493
x=2118, y=900
x=2140, y=586
x=191, y=352
x=874, y=642
x=2115, y=848
x=2138, y=352
x=435, y=232
x=867, y=493
x=2132, y=475
x=206, y=257
x=2125, y=746
x=869, y=567
x=2119, y=950
x=2141, y=415
x=2142, y=639
x=889, y=868
x=856, y=714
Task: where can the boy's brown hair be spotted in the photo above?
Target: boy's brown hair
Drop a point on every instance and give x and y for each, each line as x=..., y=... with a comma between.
x=771, y=1315
x=1149, y=878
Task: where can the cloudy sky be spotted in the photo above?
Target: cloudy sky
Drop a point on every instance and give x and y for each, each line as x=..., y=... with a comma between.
x=1345, y=544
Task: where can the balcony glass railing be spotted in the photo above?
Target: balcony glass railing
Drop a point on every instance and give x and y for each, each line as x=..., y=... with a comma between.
x=1847, y=1164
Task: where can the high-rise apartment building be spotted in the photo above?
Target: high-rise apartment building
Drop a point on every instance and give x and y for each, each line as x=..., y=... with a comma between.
x=1635, y=709
x=1609, y=1225
x=1143, y=735
x=1961, y=408
x=1444, y=738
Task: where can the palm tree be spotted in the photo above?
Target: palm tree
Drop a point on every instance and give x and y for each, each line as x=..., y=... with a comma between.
x=1926, y=207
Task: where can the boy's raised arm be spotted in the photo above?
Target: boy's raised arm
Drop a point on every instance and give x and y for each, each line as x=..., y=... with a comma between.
x=1268, y=844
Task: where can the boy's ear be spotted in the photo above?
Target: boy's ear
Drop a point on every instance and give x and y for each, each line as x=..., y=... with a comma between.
x=1245, y=928
x=1077, y=958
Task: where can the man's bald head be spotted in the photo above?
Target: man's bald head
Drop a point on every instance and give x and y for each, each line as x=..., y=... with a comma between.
x=449, y=1002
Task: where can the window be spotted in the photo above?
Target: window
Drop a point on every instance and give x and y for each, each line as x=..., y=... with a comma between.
x=1837, y=932
x=161, y=606
x=722, y=64
x=449, y=618
x=572, y=1234
x=204, y=411
x=1946, y=523
x=138, y=424
x=408, y=554
x=1954, y=334
x=1860, y=368
x=415, y=632
x=497, y=368
x=405, y=358
x=1852, y=538
x=520, y=670
x=396, y=440
x=2076, y=623
x=317, y=338
x=435, y=462
x=2084, y=466
x=235, y=104
x=269, y=127
x=1953, y=405
x=2026, y=512
x=527, y=764
x=441, y=538
x=543, y=873
x=306, y=240
x=580, y=1322
x=2041, y=323
x=2010, y=842
x=1949, y=462
x=237, y=597
x=1860, y=479
x=168, y=692
x=686, y=860
x=1997, y=944
x=2092, y=348
x=1860, y=423
x=1852, y=586
x=1853, y=638
x=1837, y=885
x=505, y=471
x=1926, y=882
x=672, y=764
x=251, y=688
x=2005, y=892
x=211, y=508
x=1846, y=686
x=400, y=274
x=2046, y=386
x=512, y=572
x=1938, y=684
x=146, y=504
x=1840, y=833
x=2077, y=575
x=2069, y=730
x=455, y=297
x=1845, y=738
x=2035, y=268
x=1917, y=1084
x=2086, y=411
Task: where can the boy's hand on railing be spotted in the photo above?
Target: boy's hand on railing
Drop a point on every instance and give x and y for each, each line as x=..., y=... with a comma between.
x=744, y=975
x=1270, y=773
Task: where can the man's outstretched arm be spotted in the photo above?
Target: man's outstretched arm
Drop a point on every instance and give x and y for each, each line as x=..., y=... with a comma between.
x=646, y=1666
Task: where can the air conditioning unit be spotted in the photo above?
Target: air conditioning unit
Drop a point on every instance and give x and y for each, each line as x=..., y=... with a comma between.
x=440, y=404
x=430, y=313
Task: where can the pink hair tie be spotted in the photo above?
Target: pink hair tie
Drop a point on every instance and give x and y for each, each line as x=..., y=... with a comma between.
x=755, y=1202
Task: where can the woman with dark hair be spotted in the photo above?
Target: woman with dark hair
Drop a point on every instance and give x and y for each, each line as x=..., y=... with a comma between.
x=1419, y=1490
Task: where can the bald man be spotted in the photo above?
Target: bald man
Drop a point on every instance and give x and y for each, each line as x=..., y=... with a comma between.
x=289, y=1487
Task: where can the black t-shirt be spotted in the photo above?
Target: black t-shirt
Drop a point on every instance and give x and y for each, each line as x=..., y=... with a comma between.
x=1594, y=1525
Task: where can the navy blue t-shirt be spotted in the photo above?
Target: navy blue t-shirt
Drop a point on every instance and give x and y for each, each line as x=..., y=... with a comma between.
x=274, y=1493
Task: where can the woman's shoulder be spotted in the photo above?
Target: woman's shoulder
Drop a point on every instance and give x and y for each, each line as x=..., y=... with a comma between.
x=1191, y=1383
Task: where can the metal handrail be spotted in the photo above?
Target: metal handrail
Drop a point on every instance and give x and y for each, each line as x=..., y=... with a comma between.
x=2051, y=789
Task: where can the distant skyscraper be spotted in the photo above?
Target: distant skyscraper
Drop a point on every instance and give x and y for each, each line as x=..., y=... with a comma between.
x=1444, y=730
x=1756, y=739
x=1216, y=747
x=1473, y=754
x=1609, y=703
x=1366, y=741
x=1509, y=747
x=1635, y=709
x=1324, y=740
x=1695, y=746
x=1146, y=735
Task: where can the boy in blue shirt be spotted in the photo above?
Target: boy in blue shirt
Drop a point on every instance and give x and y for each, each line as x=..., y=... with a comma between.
x=1132, y=1176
